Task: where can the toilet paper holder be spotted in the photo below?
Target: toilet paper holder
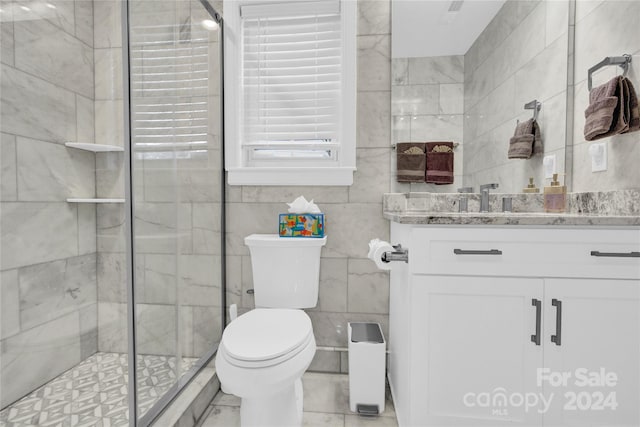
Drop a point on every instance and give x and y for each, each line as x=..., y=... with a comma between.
x=399, y=254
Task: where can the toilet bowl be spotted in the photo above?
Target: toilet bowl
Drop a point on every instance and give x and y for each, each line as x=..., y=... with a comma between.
x=261, y=359
x=264, y=352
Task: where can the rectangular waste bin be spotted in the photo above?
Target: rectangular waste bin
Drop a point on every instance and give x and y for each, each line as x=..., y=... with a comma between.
x=367, y=350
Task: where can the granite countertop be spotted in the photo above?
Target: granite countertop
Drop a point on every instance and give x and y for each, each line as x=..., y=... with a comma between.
x=509, y=218
x=613, y=208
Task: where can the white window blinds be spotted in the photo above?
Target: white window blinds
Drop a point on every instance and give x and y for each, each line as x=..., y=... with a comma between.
x=291, y=82
x=170, y=70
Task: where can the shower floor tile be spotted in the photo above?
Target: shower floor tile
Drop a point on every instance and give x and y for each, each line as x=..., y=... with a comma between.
x=94, y=393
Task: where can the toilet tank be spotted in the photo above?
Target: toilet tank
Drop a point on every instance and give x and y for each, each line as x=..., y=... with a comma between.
x=285, y=270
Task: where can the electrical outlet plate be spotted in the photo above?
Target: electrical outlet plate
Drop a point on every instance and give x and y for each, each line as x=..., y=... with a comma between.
x=549, y=164
x=598, y=152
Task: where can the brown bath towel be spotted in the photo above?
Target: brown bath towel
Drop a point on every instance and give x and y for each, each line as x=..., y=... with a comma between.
x=411, y=161
x=439, y=163
x=526, y=140
x=612, y=110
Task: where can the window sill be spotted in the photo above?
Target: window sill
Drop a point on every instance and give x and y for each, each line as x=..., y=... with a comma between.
x=291, y=176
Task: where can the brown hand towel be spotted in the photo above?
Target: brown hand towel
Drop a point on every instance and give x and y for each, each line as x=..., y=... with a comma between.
x=521, y=147
x=537, y=142
x=439, y=163
x=608, y=106
x=634, y=110
x=526, y=140
x=411, y=167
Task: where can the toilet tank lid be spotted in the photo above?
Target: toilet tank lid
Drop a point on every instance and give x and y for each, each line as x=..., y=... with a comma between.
x=275, y=240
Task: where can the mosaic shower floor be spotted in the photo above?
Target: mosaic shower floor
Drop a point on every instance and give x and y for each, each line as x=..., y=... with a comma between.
x=94, y=393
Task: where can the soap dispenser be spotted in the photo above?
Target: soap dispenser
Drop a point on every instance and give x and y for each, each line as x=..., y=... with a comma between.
x=531, y=188
x=555, y=196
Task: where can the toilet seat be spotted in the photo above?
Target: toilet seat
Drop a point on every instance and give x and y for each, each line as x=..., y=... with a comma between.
x=266, y=337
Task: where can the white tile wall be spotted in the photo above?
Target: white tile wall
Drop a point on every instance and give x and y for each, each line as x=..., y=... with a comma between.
x=436, y=70
x=7, y=55
x=47, y=51
x=107, y=30
x=9, y=177
x=10, y=303
x=53, y=289
x=53, y=172
x=48, y=262
x=35, y=108
x=112, y=326
x=84, y=21
x=373, y=113
x=24, y=224
x=36, y=355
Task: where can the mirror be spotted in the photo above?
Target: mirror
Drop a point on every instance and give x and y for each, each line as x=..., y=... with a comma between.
x=604, y=29
x=463, y=71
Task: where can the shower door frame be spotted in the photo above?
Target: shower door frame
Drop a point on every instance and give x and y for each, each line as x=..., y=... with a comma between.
x=185, y=379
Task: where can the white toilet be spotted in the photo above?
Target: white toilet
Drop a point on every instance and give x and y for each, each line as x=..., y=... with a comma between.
x=264, y=352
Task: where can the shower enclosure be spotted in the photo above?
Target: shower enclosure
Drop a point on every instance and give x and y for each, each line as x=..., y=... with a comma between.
x=111, y=207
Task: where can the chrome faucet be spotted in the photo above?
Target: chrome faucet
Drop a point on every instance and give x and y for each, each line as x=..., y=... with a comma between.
x=463, y=205
x=484, y=196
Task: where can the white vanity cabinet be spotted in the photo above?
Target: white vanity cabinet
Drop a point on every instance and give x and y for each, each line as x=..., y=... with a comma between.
x=471, y=336
x=473, y=314
x=600, y=330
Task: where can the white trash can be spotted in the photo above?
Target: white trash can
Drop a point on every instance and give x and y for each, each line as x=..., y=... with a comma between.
x=366, y=368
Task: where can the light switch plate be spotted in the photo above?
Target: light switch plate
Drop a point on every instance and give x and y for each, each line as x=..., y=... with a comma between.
x=598, y=152
x=549, y=165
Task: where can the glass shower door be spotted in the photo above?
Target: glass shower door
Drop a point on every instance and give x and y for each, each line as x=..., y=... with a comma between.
x=177, y=193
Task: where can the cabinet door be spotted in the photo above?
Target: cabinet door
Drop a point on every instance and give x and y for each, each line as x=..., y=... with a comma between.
x=599, y=340
x=472, y=347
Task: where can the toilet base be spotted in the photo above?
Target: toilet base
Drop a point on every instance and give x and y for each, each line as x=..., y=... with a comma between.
x=280, y=409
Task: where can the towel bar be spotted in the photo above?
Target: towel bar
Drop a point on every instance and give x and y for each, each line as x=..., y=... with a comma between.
x=534, y=105
x=623, y=61
x=455, y=145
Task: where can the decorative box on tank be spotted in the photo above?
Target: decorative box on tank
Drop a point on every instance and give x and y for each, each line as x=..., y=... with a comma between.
x=302, y=225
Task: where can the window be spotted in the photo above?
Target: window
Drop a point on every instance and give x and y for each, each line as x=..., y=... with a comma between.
x=290, y=94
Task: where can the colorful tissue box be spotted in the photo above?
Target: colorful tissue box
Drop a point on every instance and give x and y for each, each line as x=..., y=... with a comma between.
x=301, y=225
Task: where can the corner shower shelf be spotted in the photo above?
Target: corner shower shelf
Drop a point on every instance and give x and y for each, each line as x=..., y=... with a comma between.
x=95, y=200
x=96, y=148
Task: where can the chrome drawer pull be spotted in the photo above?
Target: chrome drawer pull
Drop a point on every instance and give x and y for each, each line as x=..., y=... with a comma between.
x=538, y=305
x=557, y=338
x=474, y=252
x=616, y=254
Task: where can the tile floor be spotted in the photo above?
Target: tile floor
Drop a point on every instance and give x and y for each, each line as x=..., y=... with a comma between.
x=94, y=393
x=326, y=404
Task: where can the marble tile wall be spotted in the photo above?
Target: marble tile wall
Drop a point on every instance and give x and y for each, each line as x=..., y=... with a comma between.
x=427, y=97
x=351, y=288
x=605, y=28
x=520, y=56
x=48, y=282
